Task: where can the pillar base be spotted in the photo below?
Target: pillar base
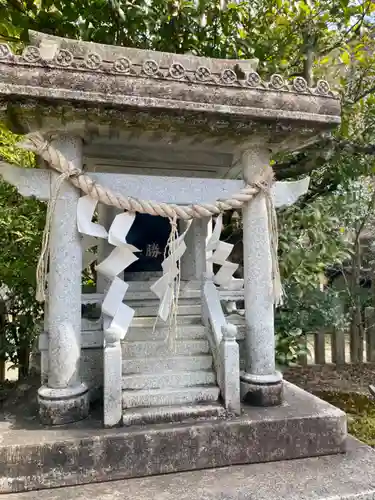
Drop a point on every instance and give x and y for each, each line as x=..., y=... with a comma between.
x=255, y=392
x=63, y=405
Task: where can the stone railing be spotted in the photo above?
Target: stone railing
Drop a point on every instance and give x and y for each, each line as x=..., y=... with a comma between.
x=231, y=299
x=224, y=348
x=112, y=363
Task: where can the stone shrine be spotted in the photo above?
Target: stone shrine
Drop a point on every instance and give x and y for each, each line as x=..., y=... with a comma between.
x=183, y=386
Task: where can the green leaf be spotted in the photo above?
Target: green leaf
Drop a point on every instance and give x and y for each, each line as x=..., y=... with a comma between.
x=345, y=58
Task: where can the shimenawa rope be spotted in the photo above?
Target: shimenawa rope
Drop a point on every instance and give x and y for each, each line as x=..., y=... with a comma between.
x=36, y=143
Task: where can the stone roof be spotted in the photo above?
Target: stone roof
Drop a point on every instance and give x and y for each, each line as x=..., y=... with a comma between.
x=57, y=71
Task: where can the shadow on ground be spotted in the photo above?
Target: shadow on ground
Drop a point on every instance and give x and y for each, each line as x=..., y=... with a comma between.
x=19, y=407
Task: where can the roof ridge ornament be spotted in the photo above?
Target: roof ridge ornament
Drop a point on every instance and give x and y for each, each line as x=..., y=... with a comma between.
x=66, y=85
x=48, y=49
x=54, y=55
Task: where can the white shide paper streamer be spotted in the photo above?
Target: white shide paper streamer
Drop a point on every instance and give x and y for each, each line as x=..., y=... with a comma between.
x=284, y=194
x=117, y=316
x=220, y=253
x=164, y=288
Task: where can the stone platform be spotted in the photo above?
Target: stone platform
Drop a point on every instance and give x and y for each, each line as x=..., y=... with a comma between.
x=36, y=457
x=346, y=476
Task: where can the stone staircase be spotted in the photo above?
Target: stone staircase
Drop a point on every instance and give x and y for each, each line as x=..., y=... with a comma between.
x=165, y=381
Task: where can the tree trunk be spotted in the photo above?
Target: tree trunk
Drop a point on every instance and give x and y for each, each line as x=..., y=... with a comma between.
x=23, y=355
x=357, y=326
x=309, y=55
x=2, y=370
x=2, y=341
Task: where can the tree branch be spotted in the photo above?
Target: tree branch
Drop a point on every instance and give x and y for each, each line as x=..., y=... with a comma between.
x=354, y=148
x=305, y=161
x=8, y=38
x=17, y=5
x=316, y=156
x=343, y=39
x=300, y=165
x=365, y=94
x=309, y=56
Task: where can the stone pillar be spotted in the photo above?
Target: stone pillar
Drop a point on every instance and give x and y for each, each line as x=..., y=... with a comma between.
x=64, y=398
x=261, y=384
x=193, y=262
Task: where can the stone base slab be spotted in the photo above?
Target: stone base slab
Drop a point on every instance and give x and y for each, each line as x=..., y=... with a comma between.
x=338, y=477
x=80, y=453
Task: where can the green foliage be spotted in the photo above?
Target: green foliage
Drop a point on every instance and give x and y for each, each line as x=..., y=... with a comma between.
x=21, y=226
x=276, y=32
x=321, y=236
x=290, y=346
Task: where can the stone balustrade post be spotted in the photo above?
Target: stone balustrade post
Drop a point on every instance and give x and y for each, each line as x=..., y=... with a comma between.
x=112, y=393
x=64, y=398
x=229, y=356
x=261, y=384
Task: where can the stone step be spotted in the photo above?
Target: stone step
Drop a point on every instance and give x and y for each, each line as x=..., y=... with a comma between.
x=168, y=380
x=79, y=453
x=144, y=286
x=147, y=309
x=136, y=303
x=168, y=397
x=143, y=349
x=171, y=414
x=142, y=291
x=148, y=295
x=149, y=321
x=348, y=476
x=172, y=363
x=161, y=333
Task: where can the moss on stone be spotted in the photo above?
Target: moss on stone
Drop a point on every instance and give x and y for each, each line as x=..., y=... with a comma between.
x=360, y=410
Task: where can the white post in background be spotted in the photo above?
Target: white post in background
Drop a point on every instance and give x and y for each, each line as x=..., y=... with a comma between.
x=105, y=219
x=44, y=352
x=64, y=398
x=261, y=384
x=193, y=262
x=209, y=265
